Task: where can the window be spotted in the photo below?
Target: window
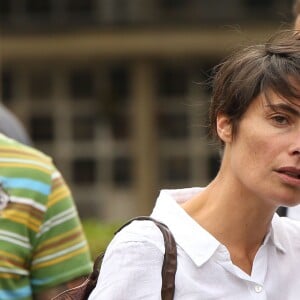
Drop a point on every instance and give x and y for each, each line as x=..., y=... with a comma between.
x=6, y=86
x=122, y=171
x=120, y=10
x=258, y=4
x=176, y=169
x=40, y=85
x=120, y=125
x=261, y=8
x=173, y=125
x=82, y=84
x=173, y=4
x=172, y=82
x=80, y=6
x=42, y=128
x=83, y=127
x=5, y=8
x=38, y=7
x=119, y=83
x=84, y=170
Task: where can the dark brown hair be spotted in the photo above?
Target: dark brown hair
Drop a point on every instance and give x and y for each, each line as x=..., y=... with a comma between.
x=253, y=70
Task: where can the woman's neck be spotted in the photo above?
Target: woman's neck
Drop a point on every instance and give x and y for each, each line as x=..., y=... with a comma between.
x=234, y=217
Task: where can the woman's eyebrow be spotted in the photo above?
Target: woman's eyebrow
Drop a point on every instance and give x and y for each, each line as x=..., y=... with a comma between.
x=284, y=107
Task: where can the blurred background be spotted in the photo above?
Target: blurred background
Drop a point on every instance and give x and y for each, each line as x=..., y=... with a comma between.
x=114, y=90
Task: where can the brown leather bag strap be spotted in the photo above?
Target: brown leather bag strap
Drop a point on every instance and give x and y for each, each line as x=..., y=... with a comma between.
x=170, y=257
x=168, y=272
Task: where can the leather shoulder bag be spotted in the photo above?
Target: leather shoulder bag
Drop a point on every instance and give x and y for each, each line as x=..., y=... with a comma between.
x=168, y=272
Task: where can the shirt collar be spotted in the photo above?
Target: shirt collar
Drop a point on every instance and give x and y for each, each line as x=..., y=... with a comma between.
x=278, y=234
x=198, y=243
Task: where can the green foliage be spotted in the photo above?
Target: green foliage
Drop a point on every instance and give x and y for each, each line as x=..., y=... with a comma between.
x=98, y=234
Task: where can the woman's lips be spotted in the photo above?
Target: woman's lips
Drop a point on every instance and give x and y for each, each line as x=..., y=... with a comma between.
x=290, y=175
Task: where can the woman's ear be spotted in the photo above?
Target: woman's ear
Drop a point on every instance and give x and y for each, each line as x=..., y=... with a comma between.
x=224, y=128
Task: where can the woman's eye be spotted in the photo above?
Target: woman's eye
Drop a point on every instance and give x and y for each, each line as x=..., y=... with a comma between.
x=280, y=120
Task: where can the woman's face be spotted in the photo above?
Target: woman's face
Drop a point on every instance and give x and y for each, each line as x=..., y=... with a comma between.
x=297, y=23
x=264, y=156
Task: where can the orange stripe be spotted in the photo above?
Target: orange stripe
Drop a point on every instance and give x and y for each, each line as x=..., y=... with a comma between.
x=20, y=219
x=58, y=196
x=60, y=236
x=8, y=275
x=74, y=237
x=26, y=208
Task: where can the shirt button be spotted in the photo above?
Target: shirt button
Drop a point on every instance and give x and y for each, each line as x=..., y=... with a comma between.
x=258, y=288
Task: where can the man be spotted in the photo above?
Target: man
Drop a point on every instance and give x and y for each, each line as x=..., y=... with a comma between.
x=43, y=249
x=12, y=127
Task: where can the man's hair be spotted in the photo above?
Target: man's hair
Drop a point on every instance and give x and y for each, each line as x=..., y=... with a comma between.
x=296, y=8
x=256, y=69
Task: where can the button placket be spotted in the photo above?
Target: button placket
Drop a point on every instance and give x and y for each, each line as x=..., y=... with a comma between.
x=258, y=288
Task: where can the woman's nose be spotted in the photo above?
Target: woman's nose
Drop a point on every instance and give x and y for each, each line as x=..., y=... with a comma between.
x=295, y=143
x=295, y=146
x=296, y=152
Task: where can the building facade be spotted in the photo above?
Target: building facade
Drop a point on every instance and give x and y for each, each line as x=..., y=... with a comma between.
x=116, y=91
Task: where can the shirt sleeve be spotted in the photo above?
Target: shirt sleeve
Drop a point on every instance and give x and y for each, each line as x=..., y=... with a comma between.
x=130, y=270
x=61, y=251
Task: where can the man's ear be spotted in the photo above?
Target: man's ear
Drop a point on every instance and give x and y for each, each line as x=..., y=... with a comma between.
x=224, y=128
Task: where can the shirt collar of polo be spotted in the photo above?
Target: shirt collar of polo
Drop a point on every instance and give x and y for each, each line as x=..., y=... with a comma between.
x=199, y=244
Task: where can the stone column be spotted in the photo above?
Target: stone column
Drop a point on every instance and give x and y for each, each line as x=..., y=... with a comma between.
x=144, y=137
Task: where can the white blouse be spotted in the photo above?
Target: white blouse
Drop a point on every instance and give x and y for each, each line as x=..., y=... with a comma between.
x=294, y=212
x=133, y=261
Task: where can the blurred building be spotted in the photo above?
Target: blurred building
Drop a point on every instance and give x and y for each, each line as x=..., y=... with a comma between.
x=114, y=89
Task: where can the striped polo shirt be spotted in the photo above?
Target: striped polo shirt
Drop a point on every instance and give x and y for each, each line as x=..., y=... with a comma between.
x=41, y=239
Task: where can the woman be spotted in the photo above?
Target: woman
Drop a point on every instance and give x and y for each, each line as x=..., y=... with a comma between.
x=294, y=212
x=230, y=242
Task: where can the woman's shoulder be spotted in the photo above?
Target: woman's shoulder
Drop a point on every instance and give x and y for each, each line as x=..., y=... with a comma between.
x=134, y=256
x=139, y=233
